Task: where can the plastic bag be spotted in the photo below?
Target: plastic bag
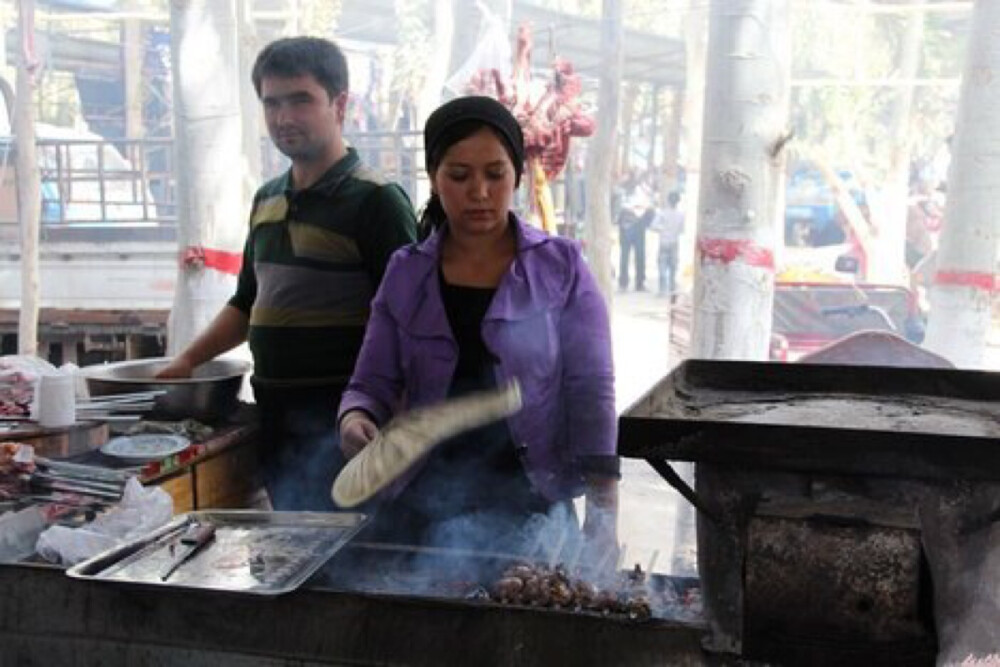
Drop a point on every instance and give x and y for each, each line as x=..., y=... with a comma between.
x=18, y=384
x=492, y=52
x=141, y=511
x=18, y=533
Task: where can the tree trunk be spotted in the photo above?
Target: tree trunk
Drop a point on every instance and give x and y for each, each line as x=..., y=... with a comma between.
x=29, y=197
x=442, y=36
x=249, y=105
x=672, y=141
x=631, y=92
x=602, y=145
x=695, y=45
x=210, y=196
x=960, y=297
x=654, y=133
x=743, y=162
x=888, y=264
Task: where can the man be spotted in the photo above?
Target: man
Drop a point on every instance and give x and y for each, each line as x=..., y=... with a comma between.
x=634, y=217
x=320, y=238
x=669, y=224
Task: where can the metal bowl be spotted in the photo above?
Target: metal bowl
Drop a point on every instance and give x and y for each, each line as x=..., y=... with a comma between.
x=209, y=396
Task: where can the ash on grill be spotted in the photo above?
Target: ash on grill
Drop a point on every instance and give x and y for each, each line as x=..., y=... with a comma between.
x=630, y=594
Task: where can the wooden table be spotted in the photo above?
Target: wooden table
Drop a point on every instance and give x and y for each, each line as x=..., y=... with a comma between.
x=56, y=442
x=223, y=476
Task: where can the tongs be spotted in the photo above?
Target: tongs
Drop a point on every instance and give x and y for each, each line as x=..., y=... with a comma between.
x=194, y=538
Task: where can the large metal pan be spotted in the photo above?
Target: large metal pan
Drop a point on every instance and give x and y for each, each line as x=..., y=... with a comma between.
x=209, y=396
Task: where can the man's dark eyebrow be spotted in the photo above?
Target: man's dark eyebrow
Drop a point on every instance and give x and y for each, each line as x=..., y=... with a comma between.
x=298, y=95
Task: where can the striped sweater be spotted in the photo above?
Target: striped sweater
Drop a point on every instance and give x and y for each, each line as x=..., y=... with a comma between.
x=312, y=262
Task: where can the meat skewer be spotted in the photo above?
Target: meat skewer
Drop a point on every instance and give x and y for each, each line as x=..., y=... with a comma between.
x=544, y=586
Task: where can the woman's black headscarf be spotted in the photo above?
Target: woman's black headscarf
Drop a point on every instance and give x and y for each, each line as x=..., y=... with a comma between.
x=461, y=110
x=459, y=119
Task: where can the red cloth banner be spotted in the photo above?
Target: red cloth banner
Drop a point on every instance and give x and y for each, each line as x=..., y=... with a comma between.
x=727, y=251
x=218, y=260
x=977, y=279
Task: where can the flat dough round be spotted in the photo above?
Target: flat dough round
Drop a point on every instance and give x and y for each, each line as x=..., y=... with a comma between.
x=411, y=435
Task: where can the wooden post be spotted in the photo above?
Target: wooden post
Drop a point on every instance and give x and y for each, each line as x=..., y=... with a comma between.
x=29, y=197
x=966, y=277
x=132, y=57
x=602, y=145
x=741, y=192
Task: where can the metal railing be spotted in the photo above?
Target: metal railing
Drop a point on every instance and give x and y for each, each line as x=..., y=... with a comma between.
x=128, y=188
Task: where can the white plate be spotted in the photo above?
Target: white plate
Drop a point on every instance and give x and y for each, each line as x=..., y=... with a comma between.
x=145, y=448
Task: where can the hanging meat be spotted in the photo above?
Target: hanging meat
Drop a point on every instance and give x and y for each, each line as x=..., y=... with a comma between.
x=549, y=114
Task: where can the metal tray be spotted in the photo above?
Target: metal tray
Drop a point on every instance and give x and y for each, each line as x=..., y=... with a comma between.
x=261, y=553
x=881, y=421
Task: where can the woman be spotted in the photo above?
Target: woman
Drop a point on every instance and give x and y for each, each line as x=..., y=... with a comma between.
x=482, y=299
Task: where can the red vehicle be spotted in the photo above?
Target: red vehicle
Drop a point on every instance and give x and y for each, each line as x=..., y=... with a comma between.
x=808, y=316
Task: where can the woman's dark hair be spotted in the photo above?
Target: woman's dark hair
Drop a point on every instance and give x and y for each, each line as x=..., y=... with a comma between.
x=298, y=56
x=432, y=215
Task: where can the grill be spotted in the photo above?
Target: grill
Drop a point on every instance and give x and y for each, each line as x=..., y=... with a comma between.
x=839, y=505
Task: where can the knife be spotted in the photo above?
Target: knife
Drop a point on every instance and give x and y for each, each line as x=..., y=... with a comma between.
x=194, y=538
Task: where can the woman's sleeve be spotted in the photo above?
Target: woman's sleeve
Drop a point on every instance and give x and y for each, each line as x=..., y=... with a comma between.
x=376, y=385
x=588, y=383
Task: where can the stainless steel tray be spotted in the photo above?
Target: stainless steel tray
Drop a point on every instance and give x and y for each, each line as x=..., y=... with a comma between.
x=261, y=553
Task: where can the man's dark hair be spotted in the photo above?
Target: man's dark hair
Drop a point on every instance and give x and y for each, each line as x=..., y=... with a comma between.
x=297, y=56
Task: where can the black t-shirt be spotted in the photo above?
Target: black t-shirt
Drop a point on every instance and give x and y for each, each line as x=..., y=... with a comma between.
x=477, y=472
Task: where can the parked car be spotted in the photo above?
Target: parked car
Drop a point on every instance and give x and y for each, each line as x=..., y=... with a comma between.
x=812, y=217
x=808, y=316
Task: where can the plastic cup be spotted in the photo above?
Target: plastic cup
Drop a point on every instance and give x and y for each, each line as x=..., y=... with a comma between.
x=56, y=401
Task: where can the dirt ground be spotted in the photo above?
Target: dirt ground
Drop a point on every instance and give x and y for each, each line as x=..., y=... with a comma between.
x=656, y=525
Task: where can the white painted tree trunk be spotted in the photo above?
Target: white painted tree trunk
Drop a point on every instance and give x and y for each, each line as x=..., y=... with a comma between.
x=741, y=201
x=250, y=114
x=601, y=150
x=888, y=263
x=208, y=142
x=29, y=198
x=966, y=270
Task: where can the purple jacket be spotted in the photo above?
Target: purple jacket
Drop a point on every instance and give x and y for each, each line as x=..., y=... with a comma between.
x=547, y=325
